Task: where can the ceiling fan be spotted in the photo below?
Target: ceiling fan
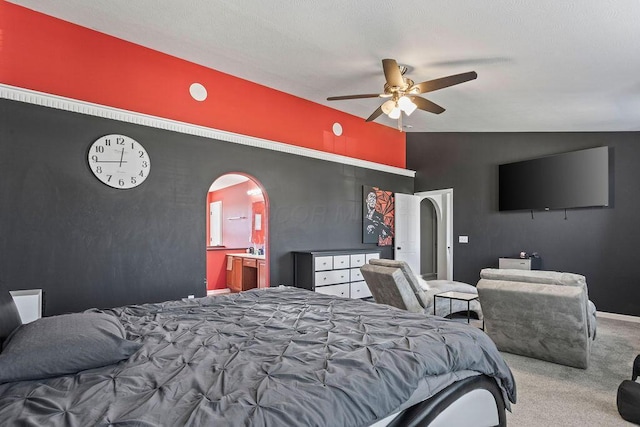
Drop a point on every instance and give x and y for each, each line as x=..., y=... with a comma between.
x=403, y=93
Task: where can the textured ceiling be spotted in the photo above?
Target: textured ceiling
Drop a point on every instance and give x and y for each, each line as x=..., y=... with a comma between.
x=544, y=65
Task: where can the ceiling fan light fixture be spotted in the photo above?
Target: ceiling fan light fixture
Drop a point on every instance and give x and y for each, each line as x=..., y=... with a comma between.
x=388, y=106
x=406, y=105
x=395, y=113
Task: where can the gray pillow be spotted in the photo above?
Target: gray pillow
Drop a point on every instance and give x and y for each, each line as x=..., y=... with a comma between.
x=9, y=316
x=65, y=344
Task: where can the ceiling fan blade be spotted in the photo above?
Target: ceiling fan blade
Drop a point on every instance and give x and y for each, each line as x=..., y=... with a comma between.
x=365, y=95
x=375, y=114
x=426, y=105
x=431, y=85
x=392, y=73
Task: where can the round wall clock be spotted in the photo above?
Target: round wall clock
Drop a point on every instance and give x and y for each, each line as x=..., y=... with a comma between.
x=119, y=161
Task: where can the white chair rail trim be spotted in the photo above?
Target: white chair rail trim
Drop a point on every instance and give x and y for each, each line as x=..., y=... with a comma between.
x=68, y=104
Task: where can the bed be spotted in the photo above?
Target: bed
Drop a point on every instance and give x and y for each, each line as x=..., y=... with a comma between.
x=266, y=357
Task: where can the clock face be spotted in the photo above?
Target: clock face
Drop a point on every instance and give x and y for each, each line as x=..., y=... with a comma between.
x=119, y=161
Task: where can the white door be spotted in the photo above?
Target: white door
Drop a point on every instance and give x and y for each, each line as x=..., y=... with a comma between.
x=407, y=230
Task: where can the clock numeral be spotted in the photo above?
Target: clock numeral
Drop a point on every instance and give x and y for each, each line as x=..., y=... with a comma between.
x=119, y=141
x=132, y=147
x=99, y=149
x=145, y=164
x=94, y=158
x=121, y=182
x=133, y=180
x=109, y=178
x=99, y=169
x=141, y=174
x=141, y=154
x=107, y=142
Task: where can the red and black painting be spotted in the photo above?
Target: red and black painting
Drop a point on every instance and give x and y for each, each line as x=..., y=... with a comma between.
x=378, y=216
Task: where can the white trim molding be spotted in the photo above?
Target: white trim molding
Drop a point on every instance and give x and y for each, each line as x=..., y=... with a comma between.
x=68, y=104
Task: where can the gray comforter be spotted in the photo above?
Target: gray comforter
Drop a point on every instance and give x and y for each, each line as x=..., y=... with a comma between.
x=272, y=357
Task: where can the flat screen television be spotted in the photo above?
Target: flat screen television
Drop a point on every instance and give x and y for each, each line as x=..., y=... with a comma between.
x=570, y=180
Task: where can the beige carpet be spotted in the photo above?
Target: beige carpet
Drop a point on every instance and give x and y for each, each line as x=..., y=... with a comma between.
x=556, y=395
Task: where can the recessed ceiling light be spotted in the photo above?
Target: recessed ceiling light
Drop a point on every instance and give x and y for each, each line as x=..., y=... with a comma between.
x=198, y=92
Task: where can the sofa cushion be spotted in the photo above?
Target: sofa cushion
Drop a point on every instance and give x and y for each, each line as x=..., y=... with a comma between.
x=448, y=285
x=534, y=276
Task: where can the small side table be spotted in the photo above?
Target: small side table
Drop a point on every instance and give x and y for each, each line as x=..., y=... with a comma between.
x=461, y=296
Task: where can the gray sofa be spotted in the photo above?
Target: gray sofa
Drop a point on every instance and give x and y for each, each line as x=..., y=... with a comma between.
x=546, y=315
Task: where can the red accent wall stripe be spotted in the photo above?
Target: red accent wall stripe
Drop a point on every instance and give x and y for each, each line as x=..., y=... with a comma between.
x=46, y=54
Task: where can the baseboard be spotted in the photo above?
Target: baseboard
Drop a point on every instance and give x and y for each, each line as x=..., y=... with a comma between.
x=616, y=316
x=218, y=291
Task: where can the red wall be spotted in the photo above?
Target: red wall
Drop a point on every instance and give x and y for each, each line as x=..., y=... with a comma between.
x=49, y=55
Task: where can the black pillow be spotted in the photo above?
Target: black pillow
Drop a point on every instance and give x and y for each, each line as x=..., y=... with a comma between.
x=9, y=316
x=65, y=344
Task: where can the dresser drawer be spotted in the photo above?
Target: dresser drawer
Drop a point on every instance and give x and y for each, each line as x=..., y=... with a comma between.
x=355, y=275
x=360, y=290
x=336, y=290
x=372, y=256
x=357, y=260
x=340, y=261
x=249, y=262
x=323, y=263
x=331, y=277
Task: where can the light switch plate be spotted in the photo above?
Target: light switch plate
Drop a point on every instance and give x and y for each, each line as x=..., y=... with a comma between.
x=463, y=239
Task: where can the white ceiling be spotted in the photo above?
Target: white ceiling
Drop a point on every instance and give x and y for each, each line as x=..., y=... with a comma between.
x=546, y=65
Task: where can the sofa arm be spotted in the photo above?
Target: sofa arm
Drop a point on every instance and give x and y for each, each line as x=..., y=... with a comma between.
x=543, y=321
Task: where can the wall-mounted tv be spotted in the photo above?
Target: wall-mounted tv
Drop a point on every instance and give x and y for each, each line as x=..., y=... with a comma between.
x=570, y=180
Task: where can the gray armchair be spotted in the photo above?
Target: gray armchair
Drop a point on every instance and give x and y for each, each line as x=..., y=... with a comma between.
x=546, y=315
x=393, y=283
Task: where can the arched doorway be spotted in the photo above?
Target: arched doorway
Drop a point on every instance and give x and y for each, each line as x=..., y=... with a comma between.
x=442, y=202
x=237, y=238
x=428, y=240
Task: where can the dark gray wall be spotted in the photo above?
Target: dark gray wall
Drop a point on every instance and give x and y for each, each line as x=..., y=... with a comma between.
x=601, y=243
x=89, y=245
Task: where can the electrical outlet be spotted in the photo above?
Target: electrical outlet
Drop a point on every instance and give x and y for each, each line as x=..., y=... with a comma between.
x=463, y=239
x=191, y=296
